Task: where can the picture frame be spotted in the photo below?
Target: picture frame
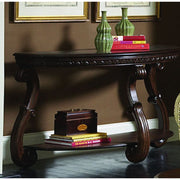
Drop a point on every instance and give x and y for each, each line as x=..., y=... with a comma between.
x=51, y=11
x=137, y=11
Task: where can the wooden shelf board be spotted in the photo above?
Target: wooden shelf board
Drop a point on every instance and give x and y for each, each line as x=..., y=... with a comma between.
x=118, y=140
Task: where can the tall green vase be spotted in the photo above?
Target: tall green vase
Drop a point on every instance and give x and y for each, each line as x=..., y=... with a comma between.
x=124, y=27
x=103, y=40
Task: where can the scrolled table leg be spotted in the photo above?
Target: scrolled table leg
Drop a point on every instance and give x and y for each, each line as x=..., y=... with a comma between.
x=156, y=99
x=137, y=152
x=21, y=156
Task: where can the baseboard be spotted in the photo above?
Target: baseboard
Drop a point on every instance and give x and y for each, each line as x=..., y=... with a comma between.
x=114, y=128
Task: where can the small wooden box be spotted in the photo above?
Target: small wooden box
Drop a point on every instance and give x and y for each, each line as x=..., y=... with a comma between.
x=75, y=122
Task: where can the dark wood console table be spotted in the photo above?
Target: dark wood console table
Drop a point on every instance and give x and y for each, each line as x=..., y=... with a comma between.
x=144, y=66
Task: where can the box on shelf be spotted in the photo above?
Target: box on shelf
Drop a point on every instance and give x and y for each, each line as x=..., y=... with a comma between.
x=75, y=121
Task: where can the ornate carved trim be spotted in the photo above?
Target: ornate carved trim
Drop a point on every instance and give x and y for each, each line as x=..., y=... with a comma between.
x=94, y=60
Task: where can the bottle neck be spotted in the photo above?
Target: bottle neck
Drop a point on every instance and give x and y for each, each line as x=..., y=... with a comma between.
x=124, y=13
x=104, y=16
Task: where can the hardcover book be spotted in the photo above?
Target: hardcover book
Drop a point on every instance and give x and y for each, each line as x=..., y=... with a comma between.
x=118, y=46
x=80, y=139
x=80, y=136
x=129, y=38
x=78, y=143
x=130, y=42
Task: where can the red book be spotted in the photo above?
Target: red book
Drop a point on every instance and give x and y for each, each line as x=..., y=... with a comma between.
x=78, y=143
x=117, y=46
x=129, y=38
x=131, y=42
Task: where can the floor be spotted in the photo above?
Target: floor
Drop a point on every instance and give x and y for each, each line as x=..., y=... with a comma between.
x=110, y=163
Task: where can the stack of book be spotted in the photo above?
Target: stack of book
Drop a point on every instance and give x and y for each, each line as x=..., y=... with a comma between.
x=129, y=43
x=79, y=139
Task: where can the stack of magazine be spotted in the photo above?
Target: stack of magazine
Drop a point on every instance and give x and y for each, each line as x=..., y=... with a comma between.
x=78, y=139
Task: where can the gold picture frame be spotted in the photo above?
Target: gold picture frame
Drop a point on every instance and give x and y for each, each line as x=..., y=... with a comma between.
x=51, y=11
x=134, y=15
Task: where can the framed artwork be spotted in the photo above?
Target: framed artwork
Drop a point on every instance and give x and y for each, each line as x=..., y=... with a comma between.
x=50, y=11
x=137, y=11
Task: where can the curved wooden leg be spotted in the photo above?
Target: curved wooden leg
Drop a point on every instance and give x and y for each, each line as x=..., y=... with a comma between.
x=155, y=98
x=137, y=152
x=21, y=156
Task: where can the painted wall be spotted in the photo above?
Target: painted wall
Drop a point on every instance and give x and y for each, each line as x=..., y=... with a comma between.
x=63, y=88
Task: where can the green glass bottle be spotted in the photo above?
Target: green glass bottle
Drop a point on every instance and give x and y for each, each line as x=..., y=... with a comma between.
x=103, y=40
x=124, y=27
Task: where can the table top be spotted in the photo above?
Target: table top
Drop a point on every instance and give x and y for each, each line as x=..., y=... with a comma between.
x=90, y=57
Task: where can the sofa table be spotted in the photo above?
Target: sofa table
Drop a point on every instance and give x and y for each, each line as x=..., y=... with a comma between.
x=143, y=65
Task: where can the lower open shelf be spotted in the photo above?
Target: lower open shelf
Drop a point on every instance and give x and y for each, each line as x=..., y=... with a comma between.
x=118, y=140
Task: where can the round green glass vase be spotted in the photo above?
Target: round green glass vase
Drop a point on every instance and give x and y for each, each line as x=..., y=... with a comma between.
x=103, y=40
x=124, y=27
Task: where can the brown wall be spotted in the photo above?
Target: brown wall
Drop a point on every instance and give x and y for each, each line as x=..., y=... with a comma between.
x=75, y=87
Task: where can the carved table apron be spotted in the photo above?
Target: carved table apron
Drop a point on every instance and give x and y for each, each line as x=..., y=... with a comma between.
x=144, y=66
